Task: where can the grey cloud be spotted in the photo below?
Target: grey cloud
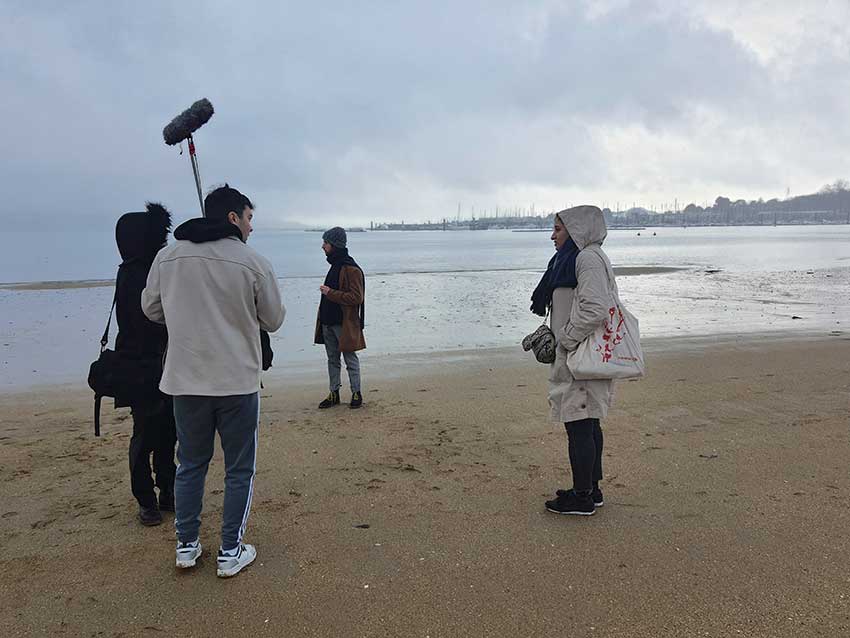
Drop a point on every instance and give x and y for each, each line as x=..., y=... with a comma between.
x=391, y=109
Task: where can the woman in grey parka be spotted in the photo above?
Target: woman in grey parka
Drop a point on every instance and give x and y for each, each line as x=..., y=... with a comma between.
x=579, y=288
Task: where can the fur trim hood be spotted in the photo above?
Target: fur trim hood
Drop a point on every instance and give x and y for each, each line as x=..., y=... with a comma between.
x=141, y=235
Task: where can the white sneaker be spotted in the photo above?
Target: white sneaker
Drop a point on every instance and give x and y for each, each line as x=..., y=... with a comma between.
x=188, y=554
x=231, y=563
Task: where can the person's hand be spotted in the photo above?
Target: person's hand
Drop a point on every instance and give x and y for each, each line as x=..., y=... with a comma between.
x=324, y=289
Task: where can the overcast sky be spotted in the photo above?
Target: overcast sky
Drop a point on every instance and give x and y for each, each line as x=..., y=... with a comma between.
x=348, y=112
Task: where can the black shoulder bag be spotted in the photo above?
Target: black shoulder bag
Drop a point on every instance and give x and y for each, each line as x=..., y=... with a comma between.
x=113, y=375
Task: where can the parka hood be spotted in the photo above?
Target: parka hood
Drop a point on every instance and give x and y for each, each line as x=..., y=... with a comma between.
x=585, y=224
x=141, y=235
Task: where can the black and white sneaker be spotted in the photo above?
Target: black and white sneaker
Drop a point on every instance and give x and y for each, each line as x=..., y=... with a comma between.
x=188, y=554
x=572, y=503
x=234, y=561
x=596, y=495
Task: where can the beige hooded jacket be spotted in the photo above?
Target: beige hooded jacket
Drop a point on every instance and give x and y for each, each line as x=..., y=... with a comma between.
x=214, y=298
x=576, y=313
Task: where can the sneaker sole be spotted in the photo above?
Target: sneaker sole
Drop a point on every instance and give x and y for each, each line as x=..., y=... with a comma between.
x=229, y=573
x=186, y=564
x=574, y=513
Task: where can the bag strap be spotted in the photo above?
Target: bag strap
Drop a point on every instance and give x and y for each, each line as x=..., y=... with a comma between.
x=609, y=270
x=104, y=340
x=97, y=400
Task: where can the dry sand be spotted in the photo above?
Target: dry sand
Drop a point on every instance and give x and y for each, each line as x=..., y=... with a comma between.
x=727, y=504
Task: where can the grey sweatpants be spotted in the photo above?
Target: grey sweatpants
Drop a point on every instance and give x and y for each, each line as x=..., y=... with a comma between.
x=331, y=336
x=236, y=420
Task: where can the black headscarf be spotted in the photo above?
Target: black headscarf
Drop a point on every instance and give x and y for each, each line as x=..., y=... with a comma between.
x=560, y=273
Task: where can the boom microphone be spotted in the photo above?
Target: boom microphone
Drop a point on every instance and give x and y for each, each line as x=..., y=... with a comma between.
x=182, y=127
x=189, y=121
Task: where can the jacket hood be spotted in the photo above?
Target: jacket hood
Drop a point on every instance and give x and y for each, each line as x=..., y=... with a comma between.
x=141, y=235
x=203, y=229
x=585, y=224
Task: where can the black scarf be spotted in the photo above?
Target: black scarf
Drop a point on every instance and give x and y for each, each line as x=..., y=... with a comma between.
x=560, y=273
x=330, y=313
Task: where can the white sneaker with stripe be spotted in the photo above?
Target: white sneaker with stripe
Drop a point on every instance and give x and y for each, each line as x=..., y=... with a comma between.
x=188, y=554
x=232, y=562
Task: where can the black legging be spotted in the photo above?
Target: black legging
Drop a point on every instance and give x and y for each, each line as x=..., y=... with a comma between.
x=584, y=442
x=153, y=431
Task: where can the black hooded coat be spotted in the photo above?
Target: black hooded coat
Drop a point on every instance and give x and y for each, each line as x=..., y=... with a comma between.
x=139, y=237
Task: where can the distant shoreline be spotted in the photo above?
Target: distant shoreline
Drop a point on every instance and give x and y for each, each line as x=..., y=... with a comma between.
x=621, y=271
x=486, y=226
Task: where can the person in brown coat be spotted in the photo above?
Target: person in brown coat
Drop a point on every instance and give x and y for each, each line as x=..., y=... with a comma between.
x=341, y=317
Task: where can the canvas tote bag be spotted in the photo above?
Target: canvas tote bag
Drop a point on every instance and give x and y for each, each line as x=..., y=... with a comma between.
x=612, y=351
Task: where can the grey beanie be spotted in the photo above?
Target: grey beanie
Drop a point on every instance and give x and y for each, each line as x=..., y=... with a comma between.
x=335, y=237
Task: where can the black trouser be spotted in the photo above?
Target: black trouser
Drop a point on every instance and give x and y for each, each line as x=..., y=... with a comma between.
x=153, y=432
x=584, y=442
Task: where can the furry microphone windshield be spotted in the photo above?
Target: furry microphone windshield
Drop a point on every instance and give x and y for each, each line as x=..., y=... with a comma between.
x=189, y=121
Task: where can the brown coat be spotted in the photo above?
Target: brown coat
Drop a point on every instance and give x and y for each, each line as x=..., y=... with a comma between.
x=349, y=296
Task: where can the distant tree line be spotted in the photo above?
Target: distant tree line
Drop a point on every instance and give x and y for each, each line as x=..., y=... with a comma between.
x=830, y=205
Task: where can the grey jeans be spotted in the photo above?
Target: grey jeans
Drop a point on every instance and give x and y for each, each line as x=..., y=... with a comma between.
x=236, y=420
x=331, y=336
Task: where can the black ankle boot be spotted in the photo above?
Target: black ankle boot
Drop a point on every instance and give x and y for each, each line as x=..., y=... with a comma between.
x=149, y=516
x=356, y=400
x=331, y=400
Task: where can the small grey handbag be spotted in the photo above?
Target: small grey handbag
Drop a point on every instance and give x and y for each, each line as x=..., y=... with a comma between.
x=542, y=342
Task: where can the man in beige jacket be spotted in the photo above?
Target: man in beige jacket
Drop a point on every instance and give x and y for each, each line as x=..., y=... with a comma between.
x=215, y=294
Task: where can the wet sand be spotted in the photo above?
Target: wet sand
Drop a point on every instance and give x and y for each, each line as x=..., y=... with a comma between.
x=620, y=271
x=727, y=504
x=58, y=285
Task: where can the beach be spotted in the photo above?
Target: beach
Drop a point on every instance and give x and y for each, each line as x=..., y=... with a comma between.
x=727, y=500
